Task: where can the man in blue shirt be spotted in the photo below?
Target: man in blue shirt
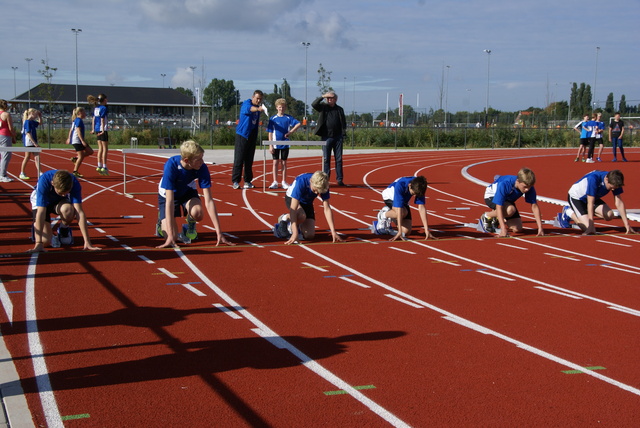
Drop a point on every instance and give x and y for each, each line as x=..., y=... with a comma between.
x=58, y=192
x=246, y=138
x=585, y=201
x=501, y=196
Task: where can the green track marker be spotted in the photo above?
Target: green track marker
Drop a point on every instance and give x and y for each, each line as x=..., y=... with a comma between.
x=342, y=391
x=580, y=372
x=72, y=417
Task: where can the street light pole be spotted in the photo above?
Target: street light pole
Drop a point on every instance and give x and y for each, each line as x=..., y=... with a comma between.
x=306, y=67
x=446, y=101
x=486, y=109
x=193, y=88
x=163, y=76
x=76, y=30
x=15, y=93
x=29, y=74
x=595, y=80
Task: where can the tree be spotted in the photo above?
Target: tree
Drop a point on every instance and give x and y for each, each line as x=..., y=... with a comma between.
x=220, y=94
x=185, y=91
x=47, y=92
x=623, y=104
x=324, y=80
x=609, y=104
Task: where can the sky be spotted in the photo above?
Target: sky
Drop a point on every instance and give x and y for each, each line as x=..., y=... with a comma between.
x=432, y=52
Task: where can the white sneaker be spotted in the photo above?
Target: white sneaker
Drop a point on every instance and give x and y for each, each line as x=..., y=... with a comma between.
x=55, y=241
x=590, y=160
x=384, y=222
x=285, y=185
x=274, y=185
x=6, y=179
x=248, y=186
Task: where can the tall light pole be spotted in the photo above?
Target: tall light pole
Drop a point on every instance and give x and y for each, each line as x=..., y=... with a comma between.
x=486, y=109
x=446, y=101
x=15, y=93
x=76, y=30
x=595, y=80
x=306, y=67
x=193, y=88
x=29, y=74
x=163, y=76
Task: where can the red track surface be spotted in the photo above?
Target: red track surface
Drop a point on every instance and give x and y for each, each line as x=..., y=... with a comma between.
x=468, y=330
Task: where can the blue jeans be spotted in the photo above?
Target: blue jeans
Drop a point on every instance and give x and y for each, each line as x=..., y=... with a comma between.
x=334, y=144
x=617, y=143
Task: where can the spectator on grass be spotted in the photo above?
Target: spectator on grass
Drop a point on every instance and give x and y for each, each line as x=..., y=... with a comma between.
x=300, y=221
x=585, y=201
x=332, y=127
x=501, y=196
x=31, y=119
x=616, y=131
x=7, y=139
x=280, y=127
x=77, y=141
x=246, y=138
x=177, y=196
x=58, y=192
x=396, y=210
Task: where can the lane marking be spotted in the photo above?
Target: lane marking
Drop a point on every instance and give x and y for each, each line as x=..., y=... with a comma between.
x=353, y=281
x=6, y=302
x=406, y=302
x=512, y=246
x=562, y=257
x=558, y=292
x=444, y=261
x=194, y=290
x=482, y=271
x=320, y=268
x=581, y=372
x=229, y=312
x=74, y=417
x=342, y=392
x=166, y=272
x=620, y=269
x=286, y=256
x=151, y=262
x=626, y=311
x=614, y=243
x=402, y=251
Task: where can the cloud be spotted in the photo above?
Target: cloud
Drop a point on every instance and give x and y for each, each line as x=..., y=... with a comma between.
x=332, y=29
x=183, y=78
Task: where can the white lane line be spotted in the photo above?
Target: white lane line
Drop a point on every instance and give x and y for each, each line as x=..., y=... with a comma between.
x=402, y=251
x=314, y=267
x=613, y=243
x=620, y=269
x=166, y=272
x=630, y=312
x=512, y=246
x=227, y=311
x=353, y=281
x=264, y=331
x=151, y=262
x=406, y=302
x=444, y=261
x=558, y=292
x=484, y=272
x=6, y=302
x=194, y=290
x=47, y=398
x=286, y=256
x=459, y=320
x=562, y=257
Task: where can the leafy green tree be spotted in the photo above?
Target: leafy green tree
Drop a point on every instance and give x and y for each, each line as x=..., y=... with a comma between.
x=623, y=104
x=609, y=104
x=220, y=94
x=324, y=80
x=185, y=91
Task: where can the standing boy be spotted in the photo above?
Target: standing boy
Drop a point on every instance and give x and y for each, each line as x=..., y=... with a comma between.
x=585, y=201
x=584, y=132
x=177, y=196
x=58, y=192
x=616, y=131
x=301, y=219
x=280, y=127
x=396, y=198
x=501, y=197
x=246, y=138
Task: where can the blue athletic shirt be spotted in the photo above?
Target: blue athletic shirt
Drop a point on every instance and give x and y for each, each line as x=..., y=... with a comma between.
x=591, y=184
x=100, y=112
x=504, y=190
x=280, y=125
x=248, y=120
x=401, y=194
x=180, y=180
x=591, y=126
x=300, y=189
x=30, y=127
x=45, y=195
x=599, y=125
x=585, y=130
x=78, y=128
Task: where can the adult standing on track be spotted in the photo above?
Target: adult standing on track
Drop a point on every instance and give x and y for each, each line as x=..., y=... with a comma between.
x=332, y=127
x=7, y=139
x=246, y=138
x=101, y=129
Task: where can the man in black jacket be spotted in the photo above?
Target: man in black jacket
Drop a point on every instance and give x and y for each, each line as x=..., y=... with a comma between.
x=332, y=127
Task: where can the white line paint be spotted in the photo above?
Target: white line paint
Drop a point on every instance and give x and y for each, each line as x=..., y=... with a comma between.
x=484, y=272
x=314, y=267
x=151, y=262
x=558, y=292
x=512, y=246
x=406, y=302
x=194, y=290
x=620, y=269
x=286, y=256
x=353, y=281
x=6, y=302
x=402, y=251
x=562, y=257
x=166, y=272
x=613, y=243
x=227, y=311
x=444, y=261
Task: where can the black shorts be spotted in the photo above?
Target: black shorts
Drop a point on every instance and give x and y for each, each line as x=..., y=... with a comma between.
x=490, y=204
x=79, y=147
x=51, y=210
x=280, y=154
x=308, y=208
x=179, y=205
x=103, y=137
x=584, y=141
x=389, y=203
x=581, y=207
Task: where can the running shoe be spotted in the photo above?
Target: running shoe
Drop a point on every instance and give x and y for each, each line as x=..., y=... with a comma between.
x=486, y=224
x=563, y=219
x=274, y=185
x=73, y=159
x=577, y=160
x=159, y=232
x=384, y=221
x=590, y=161
x=236, y=186
x=614, y=160
x=6, y=179
x=599, y=160
x=55, y=241
x=184, y=239
x=189, y=229
x=77, y=174
x=285, y=185
x=65, y=235
x=105, y=171
x=248, y=185
x=24, y=177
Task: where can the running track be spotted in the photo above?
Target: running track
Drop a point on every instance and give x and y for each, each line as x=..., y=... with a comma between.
x=468, y=330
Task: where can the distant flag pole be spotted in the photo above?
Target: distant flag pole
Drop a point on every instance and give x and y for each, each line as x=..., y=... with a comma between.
x=400, y=110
